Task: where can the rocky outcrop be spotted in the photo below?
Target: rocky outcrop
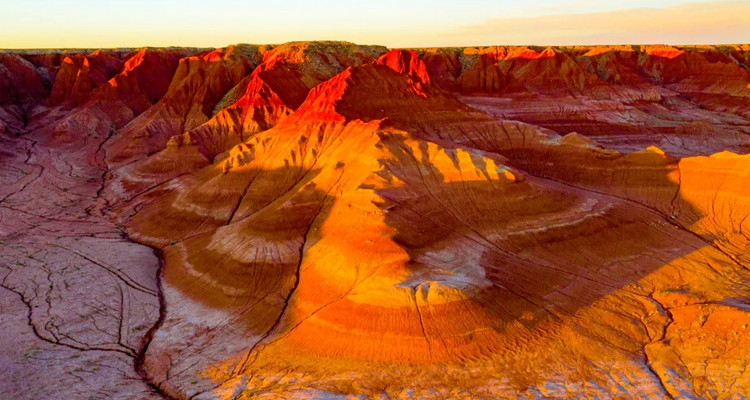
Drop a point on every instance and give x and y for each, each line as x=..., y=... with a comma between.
x=274, y=89
x=78, y=74
x=198, y=84
x=20, y=81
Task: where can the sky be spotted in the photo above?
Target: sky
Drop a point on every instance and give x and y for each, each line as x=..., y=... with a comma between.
x=393, y=23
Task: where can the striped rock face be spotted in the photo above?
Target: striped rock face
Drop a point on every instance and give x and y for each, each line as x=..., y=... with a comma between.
x=331, y=220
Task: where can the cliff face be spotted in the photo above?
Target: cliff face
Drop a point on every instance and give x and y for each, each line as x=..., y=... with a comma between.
x=335, y=220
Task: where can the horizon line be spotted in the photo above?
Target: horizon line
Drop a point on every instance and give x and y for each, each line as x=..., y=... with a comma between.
x=130, y=48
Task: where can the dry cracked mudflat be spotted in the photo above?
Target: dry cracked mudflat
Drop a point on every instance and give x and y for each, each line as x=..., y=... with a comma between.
x=333, y=221
x=78, y=299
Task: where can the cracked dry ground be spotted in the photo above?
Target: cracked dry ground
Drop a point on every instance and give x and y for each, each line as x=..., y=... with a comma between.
x=78, y=299
x=340, y=221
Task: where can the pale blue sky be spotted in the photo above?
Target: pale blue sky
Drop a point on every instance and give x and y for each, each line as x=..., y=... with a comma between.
x=394, y=23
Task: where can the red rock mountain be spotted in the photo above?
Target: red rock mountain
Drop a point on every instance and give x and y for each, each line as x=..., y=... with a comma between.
x=323, y=220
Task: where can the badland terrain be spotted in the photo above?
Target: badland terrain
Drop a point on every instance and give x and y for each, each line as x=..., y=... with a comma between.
x=331, y=220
